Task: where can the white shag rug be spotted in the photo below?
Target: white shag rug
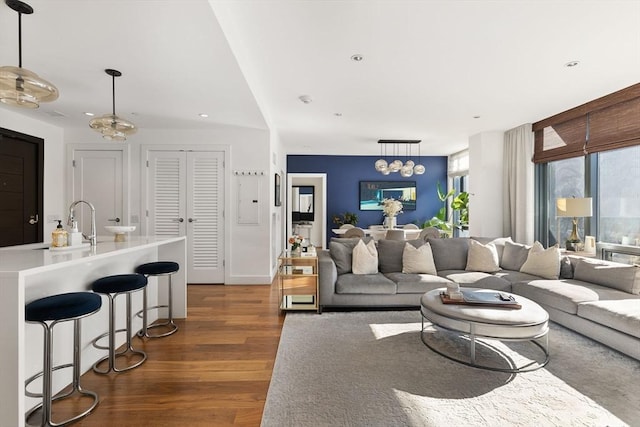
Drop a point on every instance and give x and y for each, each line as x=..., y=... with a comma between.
x=372, y=369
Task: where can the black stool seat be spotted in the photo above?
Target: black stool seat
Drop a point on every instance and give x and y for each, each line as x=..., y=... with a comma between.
x=159, y=267
x=63, y=306
x=112, y=286
x=119, y=283
x=48, y=312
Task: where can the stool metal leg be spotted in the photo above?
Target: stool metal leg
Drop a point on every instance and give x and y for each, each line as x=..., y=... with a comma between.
x=173, y=328
x=47, y=383
x=113, y=354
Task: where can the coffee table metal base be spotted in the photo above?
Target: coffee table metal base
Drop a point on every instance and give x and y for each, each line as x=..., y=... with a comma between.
x=531, y=366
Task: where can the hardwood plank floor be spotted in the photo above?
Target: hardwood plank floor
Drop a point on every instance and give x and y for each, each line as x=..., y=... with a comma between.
x=214, y=371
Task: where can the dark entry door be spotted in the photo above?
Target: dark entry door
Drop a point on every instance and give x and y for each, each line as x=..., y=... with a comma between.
x=21, y=185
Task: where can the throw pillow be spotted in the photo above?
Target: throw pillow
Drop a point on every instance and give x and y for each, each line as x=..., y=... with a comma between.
x=566, y=270
x=450, y=254
x=365, y=258
x=624, y=277
x=418, y=260
x=514, y=255
x=543, y=262
x=341, y=250
x=482, y=257
x=390, y=254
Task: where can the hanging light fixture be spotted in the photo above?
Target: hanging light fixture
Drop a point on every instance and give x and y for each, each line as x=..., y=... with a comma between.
x=19, y=86
x=406, y=169
x=112, y=127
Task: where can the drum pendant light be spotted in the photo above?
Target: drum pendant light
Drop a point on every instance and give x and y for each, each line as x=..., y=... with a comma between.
x=19, y=86
x=112, y=127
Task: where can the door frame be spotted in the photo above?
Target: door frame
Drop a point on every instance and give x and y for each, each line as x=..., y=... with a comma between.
x=39, y=143
x=226, y=150
x=320, y=177
x=102, y=146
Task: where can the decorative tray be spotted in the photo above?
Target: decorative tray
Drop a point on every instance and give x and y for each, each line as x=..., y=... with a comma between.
x=483, y=299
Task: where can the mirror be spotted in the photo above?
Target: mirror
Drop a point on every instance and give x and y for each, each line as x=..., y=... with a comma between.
x=302, y=203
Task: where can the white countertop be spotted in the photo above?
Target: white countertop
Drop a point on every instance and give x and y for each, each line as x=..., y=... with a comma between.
x=38, y=256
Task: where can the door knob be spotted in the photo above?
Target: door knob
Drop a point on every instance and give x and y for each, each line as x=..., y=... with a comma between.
x=178, y=220
x=114, y=219
x=33, y=219
x=193, y=219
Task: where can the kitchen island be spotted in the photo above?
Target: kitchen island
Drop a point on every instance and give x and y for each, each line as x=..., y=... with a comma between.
x=30, y=272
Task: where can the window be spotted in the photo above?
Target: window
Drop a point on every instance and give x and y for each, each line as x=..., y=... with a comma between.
x=612, y=179
x=458, y=173
x=618, y=192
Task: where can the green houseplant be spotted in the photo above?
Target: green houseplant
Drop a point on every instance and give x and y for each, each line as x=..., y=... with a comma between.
x=345, y=218
x=441, y=220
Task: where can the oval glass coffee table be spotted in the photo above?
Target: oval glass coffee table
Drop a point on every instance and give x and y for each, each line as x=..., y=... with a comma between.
x=527, y=323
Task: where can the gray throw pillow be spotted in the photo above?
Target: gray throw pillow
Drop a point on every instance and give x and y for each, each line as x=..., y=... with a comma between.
x=611, y=274
x=390, y=254
x=566, y=270
x=450, y=254
x=342, y=254
x=514, y=256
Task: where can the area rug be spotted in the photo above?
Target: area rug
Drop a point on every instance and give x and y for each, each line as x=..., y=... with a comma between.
x=372, y=369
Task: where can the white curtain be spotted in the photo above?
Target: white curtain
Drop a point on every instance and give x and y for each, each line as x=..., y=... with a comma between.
x=518, y=180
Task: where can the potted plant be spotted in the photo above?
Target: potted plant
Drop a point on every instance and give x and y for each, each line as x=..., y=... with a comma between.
x=345, y=218
x=460, y=204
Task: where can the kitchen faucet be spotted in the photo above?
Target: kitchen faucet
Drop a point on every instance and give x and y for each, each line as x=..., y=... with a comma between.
x=92, y=236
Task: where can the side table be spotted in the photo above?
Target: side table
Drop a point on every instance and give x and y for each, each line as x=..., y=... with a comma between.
x=298, y=282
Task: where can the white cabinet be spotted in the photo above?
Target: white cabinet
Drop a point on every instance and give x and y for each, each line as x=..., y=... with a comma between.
x=185, y=197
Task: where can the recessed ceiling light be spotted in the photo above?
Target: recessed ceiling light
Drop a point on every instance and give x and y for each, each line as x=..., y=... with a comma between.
x=306, y=99
x=476, y=117
x=571, y=64
x=86, y=113
x=203, y=115
x=357, y=57
x=337, y=114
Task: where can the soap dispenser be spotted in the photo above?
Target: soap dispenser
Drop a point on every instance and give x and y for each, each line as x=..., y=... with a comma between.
x=59, y=236
x=75, y=236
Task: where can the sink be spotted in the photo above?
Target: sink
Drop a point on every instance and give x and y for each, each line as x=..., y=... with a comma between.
x=119, y=231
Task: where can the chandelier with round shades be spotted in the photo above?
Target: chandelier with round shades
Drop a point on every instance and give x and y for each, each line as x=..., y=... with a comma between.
x=406, y=169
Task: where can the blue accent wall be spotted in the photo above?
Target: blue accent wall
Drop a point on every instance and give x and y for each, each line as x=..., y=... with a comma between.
x=344, y=174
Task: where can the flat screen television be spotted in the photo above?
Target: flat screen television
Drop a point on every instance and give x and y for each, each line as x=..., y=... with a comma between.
x=372, y=193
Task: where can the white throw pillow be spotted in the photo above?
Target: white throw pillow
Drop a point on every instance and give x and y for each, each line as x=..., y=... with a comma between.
x=482, y=257
x=542, y=262
x=418, y=260
x=365, y=258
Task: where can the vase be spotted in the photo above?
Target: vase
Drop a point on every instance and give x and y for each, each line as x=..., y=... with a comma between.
x=390, y=222
x=296, y=251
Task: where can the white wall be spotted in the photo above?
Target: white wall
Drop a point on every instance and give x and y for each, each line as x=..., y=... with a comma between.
x=54, y=154
x=485, y=184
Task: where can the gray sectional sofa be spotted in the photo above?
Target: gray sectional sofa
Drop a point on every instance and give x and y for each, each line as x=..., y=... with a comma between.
x=599, y=299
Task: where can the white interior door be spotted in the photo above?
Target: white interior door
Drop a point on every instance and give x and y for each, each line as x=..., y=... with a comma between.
x=98, y=177
x=186, y=197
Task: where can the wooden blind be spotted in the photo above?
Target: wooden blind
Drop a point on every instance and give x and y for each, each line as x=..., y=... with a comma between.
x=614, y=127
x=606, y=123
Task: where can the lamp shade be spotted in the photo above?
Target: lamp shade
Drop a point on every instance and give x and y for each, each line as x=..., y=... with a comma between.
x=574, y=207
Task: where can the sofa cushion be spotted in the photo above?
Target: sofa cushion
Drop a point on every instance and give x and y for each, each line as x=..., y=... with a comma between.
x=390, y=254
x=515, y=276
x=499, y=243
x=450, y=254
x=418, y=260
x=364, y=284
x=543, y=262
x=476, y=279
x=365, y=258
x=514, y=255
x=564, y=295
x=341, y=250
x=417, y=283
x=614, y=275
x=482, y=257
x=622, y=315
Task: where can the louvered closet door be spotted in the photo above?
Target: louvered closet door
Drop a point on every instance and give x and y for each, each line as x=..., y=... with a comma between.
x=185, y=197
x=205, y=219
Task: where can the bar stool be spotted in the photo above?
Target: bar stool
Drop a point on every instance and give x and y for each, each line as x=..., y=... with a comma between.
x=158, y=268
x=112, y=286
x=56, y=309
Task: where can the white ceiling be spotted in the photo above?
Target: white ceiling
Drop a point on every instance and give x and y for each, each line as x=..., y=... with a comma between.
x=429, y=66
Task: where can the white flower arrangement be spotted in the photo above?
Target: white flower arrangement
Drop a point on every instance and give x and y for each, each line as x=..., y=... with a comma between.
x=391, y=207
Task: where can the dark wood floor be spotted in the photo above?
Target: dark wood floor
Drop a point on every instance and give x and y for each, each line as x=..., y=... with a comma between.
x=214, y=371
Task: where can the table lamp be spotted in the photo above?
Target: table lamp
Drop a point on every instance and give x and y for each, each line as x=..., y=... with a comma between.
x=573, y=207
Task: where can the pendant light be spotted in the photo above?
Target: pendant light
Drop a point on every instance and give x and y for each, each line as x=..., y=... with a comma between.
x=19, y=86
x=111, y=126
x=407, y=169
